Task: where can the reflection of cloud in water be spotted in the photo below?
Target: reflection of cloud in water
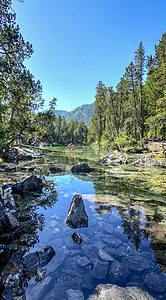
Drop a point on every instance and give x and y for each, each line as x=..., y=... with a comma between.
x=104, y=199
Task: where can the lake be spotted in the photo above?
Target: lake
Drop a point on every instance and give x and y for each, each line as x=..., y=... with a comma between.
x=125, y=241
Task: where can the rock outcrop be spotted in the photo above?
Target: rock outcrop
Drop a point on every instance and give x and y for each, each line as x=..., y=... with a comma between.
x=16, y=154
x=111, y=291
x=77, y=216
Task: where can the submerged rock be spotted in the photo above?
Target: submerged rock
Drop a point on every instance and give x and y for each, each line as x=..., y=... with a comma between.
x=111, y=291
x=100, y=269
x=30, y=184
x=82, y=167
x=74, y=295
x=54, y=170
x=156, y=281
x=45, y=255
x=137, y=263
x=77, y=239
x=39, y=258
x=118, y=272
x=77, y=216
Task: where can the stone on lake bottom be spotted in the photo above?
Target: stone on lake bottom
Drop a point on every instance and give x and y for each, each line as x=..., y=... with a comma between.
x=136, y=263
x=156, y=282
x=74, y=295
x=100, y=269
x=118, y=272
x=82, y=261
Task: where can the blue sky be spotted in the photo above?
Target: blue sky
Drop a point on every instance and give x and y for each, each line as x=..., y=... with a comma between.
x=79, y=42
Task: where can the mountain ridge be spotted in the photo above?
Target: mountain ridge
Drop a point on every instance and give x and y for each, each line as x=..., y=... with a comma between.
x=81, y=113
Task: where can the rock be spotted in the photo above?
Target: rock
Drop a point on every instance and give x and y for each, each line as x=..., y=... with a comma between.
x=39, y=258
x=55, y=170
x=77, y=239
x=105, y=256
x=18, y=153
x=30, y=184
x=30, y=260
x=113, y=160
x=72, y=268
x=90, y=252
x=45, y=255
x=82, y=261
x=100, y=269
x=146, y=161
x=156, y=282
x=74, y=295
x=118, y=272
x=112, y=241
x=77, y=216
x=114, y=292
x=108, y=228
x=136, y=263
x=82, y=167
x=4, y=254
x=14, y=287
x=9, y=222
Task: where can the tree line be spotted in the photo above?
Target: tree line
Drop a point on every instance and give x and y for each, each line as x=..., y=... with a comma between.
x=137, y=107
x=129, y=113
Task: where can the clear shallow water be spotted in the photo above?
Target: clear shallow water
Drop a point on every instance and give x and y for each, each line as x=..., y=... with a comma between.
x=123, y=207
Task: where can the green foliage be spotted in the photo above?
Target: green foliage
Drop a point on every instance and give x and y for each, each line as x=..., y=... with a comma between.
x=20, y=94
x=137, y=107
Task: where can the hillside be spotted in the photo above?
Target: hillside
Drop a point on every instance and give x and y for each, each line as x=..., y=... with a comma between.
x=60, y=112
x=81, y=113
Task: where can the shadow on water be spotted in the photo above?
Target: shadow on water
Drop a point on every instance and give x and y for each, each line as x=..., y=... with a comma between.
x=125, y=240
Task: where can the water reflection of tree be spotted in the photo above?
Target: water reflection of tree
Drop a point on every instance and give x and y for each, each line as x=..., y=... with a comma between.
x=131, y=223
x=26, y=235
x=131, y=218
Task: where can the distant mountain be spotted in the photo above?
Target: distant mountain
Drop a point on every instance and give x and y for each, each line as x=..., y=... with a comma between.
x=81, y=113
x=60, y=112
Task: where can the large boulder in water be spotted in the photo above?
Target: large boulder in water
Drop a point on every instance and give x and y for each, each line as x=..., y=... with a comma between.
x=32, y=183
x=77, y=216
x=82, y=167
x=111, y=291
